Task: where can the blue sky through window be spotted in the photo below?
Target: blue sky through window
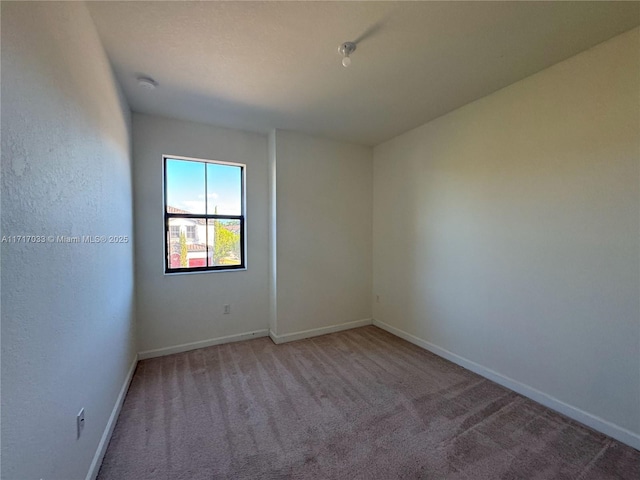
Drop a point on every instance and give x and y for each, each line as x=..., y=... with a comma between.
x=186, y=187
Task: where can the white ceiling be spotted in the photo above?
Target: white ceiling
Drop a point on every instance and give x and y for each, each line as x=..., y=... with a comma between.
x=263, y=65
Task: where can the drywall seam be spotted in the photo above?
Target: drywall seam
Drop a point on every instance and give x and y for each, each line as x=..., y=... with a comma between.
x=108, y=431
x=597, y=423
x=315, y=332
x=185, y=347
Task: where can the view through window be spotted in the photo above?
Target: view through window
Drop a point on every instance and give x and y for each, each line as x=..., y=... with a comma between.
x=203, y=215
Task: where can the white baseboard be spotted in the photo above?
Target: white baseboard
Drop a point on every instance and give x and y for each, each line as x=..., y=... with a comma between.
x=314, y=332
x=106, y=435
x=615, y=431
x=185, y=347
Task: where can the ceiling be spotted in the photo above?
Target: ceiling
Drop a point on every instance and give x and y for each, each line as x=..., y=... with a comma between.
x=263, y=65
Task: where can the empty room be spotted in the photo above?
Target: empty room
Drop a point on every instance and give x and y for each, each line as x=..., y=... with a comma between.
x=320, y=240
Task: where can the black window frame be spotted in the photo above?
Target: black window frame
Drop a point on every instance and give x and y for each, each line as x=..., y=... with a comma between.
x=206, y=217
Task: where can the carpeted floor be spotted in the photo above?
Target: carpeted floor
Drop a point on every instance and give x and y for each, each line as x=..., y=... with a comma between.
x=356, y=404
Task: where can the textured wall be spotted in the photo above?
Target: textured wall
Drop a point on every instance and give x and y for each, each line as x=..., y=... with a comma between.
x=185, y=308
x=506, y=232
x=323, y=230
x=67, y=309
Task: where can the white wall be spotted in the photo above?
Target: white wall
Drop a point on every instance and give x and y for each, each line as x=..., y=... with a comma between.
x=507, y=232
x=309, y=252
x=273, y=234
x=67, y=309
x=185, y=308
x=323, y=232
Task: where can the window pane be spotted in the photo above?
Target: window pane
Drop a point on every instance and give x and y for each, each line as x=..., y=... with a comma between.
x=185, y=186
x=187, y=249
x=224, y=242
x=224, y=189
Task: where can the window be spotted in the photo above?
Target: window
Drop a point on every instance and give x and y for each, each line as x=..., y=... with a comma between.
x=204, y=215
x=191, y=232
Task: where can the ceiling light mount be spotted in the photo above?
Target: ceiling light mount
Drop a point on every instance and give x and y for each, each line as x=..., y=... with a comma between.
x=346, y=49
x=147, y=82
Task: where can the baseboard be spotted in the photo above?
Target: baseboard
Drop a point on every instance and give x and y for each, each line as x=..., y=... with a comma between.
x=185, y=347
x=314, y=332
x=106, y=435
x=615, y=431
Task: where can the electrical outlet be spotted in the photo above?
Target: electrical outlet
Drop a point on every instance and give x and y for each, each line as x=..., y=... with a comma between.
x=80, y=421
x=227, y=309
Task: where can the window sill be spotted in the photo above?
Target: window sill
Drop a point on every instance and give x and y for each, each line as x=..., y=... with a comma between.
x=170, y=274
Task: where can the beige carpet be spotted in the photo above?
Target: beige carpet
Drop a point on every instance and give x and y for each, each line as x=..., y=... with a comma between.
x=357, y=404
